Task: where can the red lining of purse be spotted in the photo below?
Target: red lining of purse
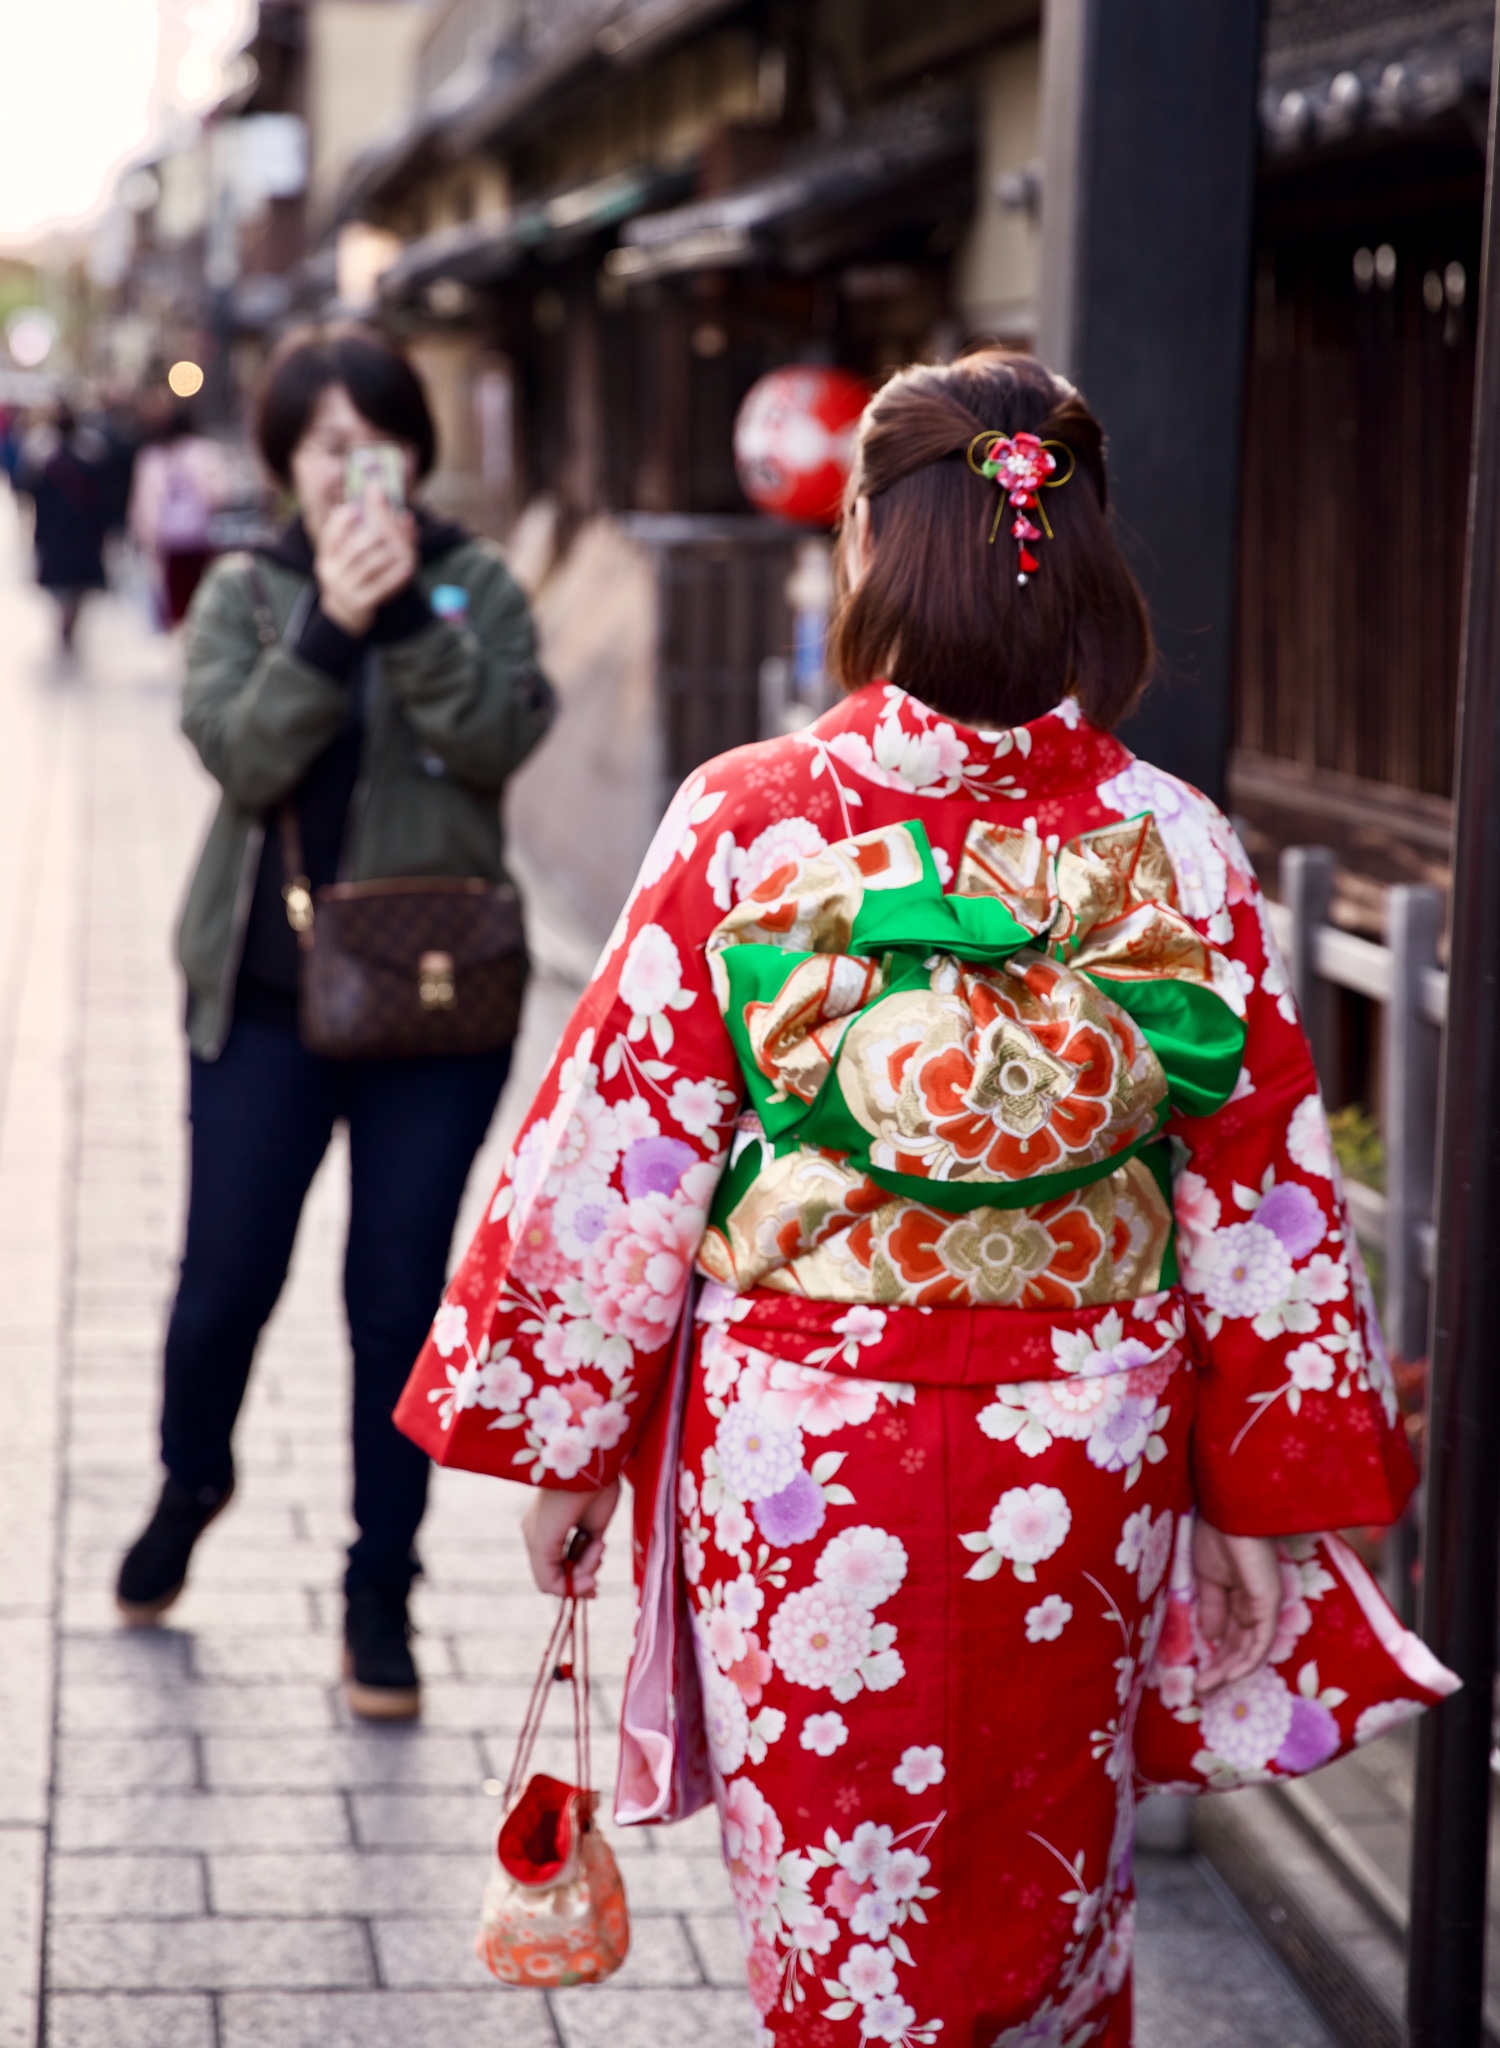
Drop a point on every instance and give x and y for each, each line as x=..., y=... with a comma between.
x=536, y=1837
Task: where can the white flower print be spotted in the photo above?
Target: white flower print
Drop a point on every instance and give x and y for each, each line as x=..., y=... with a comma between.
x=882, y=1669
x=1307, y=1138
x=726, y=1718
x=724, y=1638
x=821, y=1402
x=818, y=1638
x=651, y=984
x=450, y=1329
x=697, y=1106
x=866, y=1854
x=1196, y=1208
x=743, y=1599
x=503, y=1385
x=1382, y=1718
x=864, y=1564
x=868, y=1973
x=1036, y=1411
x=1246, y=1721
x=757, y=1456
x=1311, y=1368
x=1244, y=1270
x=920, y=1768
x=733, y=1528
x=1145, y=1548
x=1028, y=1524
x=1104, y=1348
x=824, y=1733
x=692, y=805
x=1046, y=1621
x=887, y=2019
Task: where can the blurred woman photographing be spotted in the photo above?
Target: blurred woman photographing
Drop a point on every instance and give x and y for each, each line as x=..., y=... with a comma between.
x=360, y=690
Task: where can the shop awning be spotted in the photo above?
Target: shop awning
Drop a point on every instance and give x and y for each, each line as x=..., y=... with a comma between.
x=884, y=171
x=483, y=251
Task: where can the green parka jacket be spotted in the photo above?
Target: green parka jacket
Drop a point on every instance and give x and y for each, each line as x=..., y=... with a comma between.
x=451, y=712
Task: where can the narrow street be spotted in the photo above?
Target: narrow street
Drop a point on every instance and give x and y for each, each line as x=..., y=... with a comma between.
x=197, y=1847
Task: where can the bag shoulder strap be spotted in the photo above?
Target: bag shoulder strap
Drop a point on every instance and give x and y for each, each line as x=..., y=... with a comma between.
x=260, y=599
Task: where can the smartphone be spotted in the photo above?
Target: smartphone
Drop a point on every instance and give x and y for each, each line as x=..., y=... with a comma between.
x=383, y=465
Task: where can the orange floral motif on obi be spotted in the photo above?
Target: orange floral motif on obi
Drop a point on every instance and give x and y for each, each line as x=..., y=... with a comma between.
x=999, y=1075
x=810, y=1225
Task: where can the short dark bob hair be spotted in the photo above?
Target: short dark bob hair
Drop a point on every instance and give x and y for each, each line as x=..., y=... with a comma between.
x=382, y=384
x=938, y=610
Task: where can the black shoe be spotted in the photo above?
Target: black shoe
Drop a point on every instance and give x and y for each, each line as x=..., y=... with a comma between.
x=380, y=1676
x=155, y=1568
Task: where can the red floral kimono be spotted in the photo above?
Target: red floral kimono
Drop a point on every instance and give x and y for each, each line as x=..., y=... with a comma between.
x=962, y=1067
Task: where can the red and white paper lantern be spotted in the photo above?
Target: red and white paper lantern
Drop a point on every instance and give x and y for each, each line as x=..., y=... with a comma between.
x=794, y=441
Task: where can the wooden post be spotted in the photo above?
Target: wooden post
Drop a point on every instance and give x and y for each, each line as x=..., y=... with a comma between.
x=1414, y=918
x=1307, y=892
x=1149, y=147
x=1461, y=1537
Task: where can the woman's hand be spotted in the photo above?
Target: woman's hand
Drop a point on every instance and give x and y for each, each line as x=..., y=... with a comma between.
x=548, y=1526
x=1239, y=1599
x=366, y=553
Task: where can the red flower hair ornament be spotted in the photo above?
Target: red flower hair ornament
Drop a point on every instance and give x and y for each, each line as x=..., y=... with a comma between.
x=1023, y=467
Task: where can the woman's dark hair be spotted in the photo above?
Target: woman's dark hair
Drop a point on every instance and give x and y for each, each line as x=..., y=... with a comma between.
x=382, y=384
x=938, y=610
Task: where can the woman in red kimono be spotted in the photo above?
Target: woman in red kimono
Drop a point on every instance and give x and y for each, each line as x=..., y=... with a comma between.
x=920, y=1028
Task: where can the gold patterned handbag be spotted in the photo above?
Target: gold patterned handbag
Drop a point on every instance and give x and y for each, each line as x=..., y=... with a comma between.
x=554, y=1907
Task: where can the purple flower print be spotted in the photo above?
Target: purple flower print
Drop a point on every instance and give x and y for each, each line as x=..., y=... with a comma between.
x=587, y=1219
x=1291, y=1213
x=1312, y=1738
x=793, y=1515
x=655, y=1166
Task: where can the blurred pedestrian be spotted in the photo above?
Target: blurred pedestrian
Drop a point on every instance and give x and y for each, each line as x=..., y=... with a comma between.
x=62, y=467
x=361, y=689
x=181, y=477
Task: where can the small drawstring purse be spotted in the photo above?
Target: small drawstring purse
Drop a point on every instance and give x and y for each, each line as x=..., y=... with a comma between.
x=554, y=1907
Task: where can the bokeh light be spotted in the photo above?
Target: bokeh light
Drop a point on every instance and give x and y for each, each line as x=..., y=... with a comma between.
x=185, y=379
x=29, y=335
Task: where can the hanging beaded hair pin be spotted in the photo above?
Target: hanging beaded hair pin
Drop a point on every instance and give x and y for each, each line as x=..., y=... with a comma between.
x=1023, y=467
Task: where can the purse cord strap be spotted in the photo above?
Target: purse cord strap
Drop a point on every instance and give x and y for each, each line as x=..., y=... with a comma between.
x=296, y=890
x=565, y=1657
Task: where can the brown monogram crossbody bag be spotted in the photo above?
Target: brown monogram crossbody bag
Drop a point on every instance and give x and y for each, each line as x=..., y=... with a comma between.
x=419, y=965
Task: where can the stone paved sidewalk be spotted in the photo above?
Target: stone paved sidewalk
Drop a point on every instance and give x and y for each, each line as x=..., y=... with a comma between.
x=226, y=1860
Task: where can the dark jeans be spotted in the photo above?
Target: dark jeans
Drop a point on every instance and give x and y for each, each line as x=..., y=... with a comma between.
x=262, y=1116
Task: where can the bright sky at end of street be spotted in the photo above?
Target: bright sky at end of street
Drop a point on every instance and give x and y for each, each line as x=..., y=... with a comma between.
x=85, y=84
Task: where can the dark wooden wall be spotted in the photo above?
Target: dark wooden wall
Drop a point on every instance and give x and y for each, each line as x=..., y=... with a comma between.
x=1353, y=491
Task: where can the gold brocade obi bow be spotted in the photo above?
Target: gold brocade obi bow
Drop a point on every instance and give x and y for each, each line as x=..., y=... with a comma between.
x=996, y=1046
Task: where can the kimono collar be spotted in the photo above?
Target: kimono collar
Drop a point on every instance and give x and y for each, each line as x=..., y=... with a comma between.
x=893, y=739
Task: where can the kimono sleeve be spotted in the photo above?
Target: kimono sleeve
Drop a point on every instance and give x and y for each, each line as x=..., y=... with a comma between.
x=558, y=1324
x=1297, y=1424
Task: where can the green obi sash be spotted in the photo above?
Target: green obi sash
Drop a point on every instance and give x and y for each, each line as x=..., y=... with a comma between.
x=994, y=1047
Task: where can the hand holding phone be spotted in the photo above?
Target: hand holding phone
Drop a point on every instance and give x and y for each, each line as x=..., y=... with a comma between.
x=367, y=548
x=382, y=466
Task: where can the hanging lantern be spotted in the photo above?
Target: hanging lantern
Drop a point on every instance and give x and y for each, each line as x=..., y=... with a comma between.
x=794, y=441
